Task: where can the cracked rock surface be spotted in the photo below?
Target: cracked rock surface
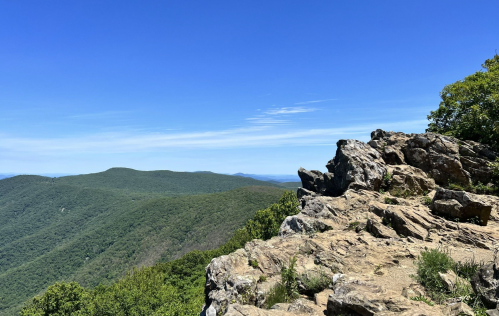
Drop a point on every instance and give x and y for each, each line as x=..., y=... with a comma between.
x=364, y=240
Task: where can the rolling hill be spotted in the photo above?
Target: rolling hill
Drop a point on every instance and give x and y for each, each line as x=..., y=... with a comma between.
x=93, y=228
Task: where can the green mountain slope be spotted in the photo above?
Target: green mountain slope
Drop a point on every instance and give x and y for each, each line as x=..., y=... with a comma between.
x=94, y=228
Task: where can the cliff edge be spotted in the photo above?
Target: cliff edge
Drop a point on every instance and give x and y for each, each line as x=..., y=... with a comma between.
x=363, y=223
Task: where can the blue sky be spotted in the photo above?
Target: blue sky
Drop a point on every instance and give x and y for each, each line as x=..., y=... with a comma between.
x=229, y=86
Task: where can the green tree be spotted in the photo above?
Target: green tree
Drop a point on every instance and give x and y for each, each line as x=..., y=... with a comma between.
x=60, y=299
x=470, y=107
x=267, y=222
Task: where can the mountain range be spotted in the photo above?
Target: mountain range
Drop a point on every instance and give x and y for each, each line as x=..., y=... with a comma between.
x=94, y=228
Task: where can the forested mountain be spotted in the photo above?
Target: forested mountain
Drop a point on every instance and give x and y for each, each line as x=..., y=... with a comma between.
x=93, y=228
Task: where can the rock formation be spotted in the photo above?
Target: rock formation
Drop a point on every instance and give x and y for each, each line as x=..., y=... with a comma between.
x=363, y=223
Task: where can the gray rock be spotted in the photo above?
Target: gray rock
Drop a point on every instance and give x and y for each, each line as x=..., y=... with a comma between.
x=302, y=224
x=301, y=192
x=486, y=282
x=492, y=312
x=356, y=166
x=461, y=204
x=379, y=230
x=408, y=180
x=311, y=180
x=451, y=281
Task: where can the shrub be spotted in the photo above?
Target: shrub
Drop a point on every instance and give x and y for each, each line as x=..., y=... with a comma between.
x=315, y=282
x=433, y=261
x=427, y=200
x=253, y=263
x=429, y=264
x=276, y=295
x=267, y=222
x=287, y=289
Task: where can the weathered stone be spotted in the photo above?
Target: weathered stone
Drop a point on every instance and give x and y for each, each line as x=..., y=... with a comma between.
x=392, y=155
x=461, y=309
x=368, y=274
x=492, y=312
x=478, y=168
x=301, y=192
x=311, y=180
x=451, y=281
x=482, y=150
x=486, y=282
x=407, y=180
x=356, y=166
x=379, y=230
x=413, y=290
x=404, y=220
x=365, y=299
x=471, y=205
x=303, y=224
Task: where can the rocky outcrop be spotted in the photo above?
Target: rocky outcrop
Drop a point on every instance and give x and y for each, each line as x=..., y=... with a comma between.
x=444, y=158
x=362, y=224
x=355, y=166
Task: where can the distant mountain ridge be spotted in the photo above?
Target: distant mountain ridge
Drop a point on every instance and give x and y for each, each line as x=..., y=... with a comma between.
x=276, y=178
x=93, y=228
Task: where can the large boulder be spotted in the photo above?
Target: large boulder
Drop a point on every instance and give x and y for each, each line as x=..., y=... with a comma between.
x=354, y=297
x=316, y=181
x=356, y=166
x=462, y=205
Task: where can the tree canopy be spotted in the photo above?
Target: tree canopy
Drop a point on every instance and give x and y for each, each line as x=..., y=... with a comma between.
x=469, y=109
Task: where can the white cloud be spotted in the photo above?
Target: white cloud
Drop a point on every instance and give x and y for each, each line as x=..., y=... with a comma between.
x=256, y=136
x=289, y=110
x=315, y=101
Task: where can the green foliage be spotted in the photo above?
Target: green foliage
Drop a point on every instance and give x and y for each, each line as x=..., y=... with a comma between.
x=169, y=288
x=262, y=278
x=470, y=107
x=93, y=228
x=392, y=201
x=288, y=279
x=353, y=225
x=387, y=178
x=59, y=299
x=433, y=261
x=277, y=294
x=315, y=282
x=287, y=289
x=387, y=221
x=477, y=187
x=427, y=200
x=267, y=222
x=429, y=264
x=422, y=299
x=253, y=264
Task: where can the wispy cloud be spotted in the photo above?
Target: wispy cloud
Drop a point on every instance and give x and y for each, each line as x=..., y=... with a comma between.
x=289, y=110
x=315, y=101
x=263, y=120
x=256, y=136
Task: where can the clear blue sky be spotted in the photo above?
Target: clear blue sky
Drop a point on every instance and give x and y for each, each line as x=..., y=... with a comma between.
x=228, y=86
